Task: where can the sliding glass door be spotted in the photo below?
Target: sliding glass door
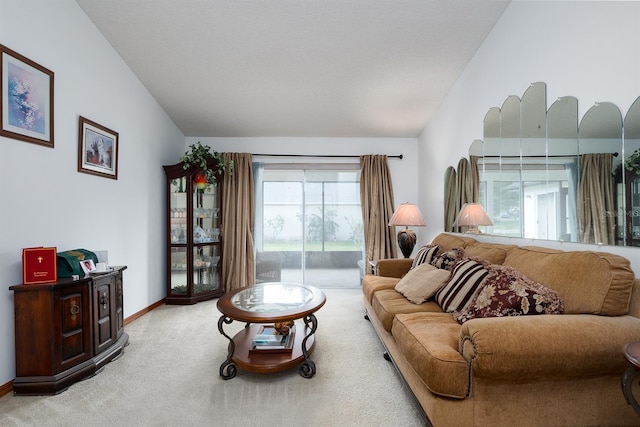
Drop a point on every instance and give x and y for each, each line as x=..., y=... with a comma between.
x=309, y=227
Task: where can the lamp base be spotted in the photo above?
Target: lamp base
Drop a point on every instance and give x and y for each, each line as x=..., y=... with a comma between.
x=406, y=241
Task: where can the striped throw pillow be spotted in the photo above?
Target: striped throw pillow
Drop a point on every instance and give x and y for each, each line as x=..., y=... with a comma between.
x=465, y=280
x=425, y=255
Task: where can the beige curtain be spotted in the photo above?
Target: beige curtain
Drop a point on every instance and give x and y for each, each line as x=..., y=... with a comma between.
x=463, y=185
x=376, y=198
x=474, y=175
x=596, y=199
x=238, y=260
x=450, y=197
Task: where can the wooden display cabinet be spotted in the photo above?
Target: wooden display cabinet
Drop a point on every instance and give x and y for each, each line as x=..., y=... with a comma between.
x=66, y=331
x=194, y=236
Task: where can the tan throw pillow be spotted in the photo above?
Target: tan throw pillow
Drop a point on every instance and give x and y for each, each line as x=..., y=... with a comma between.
x=422, y=282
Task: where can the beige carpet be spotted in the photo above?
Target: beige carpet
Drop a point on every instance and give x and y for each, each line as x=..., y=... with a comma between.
x=168, y=376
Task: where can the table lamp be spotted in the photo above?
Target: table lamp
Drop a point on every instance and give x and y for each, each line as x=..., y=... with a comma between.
x=407, y=215
x=472, y=215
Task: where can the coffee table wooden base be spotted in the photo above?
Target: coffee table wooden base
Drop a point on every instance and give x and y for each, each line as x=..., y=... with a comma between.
x=269, y=362
x=239, y=356
x=631, y=375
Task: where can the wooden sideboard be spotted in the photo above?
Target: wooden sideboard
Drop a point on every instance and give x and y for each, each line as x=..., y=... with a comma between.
x=67, y=331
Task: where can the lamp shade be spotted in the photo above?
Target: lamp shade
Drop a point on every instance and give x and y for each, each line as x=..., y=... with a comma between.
x=472, y=215
x=407, y=214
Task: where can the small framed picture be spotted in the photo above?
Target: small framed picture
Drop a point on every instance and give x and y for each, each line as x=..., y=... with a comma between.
x=97, y=149
x=26, y=107
x=88, y=266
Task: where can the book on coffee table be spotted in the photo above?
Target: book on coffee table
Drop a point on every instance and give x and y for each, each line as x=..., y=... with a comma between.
x=267, y=340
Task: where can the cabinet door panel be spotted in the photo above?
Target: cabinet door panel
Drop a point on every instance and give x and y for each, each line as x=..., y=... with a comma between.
x=119, y=303
x=104, y=313
x=74, y=333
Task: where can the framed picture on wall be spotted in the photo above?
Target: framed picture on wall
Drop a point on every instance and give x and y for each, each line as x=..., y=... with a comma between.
x=26, y=108
x=97, y=149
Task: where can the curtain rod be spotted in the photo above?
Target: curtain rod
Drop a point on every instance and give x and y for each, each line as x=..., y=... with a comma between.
x=399, y=156
x=536, y=156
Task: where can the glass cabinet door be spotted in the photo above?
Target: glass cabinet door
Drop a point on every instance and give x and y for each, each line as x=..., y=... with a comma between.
x=178, y=211
x=178, y=235
x=206, y=213
x=206, y=238
x=205, y=269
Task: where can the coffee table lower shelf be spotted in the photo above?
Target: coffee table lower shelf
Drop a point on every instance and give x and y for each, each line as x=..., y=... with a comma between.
x=269, y=362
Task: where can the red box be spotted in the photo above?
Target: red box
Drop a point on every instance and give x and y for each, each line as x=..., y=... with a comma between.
x=39, y=265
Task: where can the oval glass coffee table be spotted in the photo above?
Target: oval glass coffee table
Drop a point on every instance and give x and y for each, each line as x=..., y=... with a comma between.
x=270, y=303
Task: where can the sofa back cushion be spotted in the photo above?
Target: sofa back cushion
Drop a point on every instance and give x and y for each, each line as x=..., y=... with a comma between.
x=588, y=282
x=494, y=253
x=446, y=242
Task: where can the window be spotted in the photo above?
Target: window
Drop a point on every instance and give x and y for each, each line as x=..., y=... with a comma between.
x=309, y=223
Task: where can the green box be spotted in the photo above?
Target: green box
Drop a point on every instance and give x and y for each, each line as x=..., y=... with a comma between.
x=69, y=262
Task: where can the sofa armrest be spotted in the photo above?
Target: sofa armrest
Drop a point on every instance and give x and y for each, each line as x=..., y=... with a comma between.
x=547, y=346
x=393, y=267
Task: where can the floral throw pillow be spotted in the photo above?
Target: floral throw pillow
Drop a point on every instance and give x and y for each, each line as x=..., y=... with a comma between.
x=507, y=292
x=447, y=260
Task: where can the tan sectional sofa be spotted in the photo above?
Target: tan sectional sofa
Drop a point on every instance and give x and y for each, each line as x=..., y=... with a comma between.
x=541, y=370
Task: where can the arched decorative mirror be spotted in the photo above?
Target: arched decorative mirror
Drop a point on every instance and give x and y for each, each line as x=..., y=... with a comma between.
x=536, y=222
x=627, y=176
x=477, y=148
x=505, y=209
x=491, y=147
x=490, y=164
x=563, y=164
x=535, y=163
x=599, y=142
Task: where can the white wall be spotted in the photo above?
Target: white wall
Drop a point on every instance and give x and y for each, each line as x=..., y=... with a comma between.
x=589, y=50
x=403, y=171
x=44, y=200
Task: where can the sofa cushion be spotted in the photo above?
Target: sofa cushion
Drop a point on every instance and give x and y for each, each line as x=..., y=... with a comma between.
x=447, y=260
x=429, y=342
x=450, y=241
x=372, y=284
x=425, y=254
x=388, y=303
x=422, y=282
x=507, y=292
x=393, y=267
x=458, y=292
x=523, y=348
x=588, y=282
x=494, y=253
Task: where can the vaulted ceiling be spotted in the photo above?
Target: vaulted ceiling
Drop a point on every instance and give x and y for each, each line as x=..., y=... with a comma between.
x=326, y=68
